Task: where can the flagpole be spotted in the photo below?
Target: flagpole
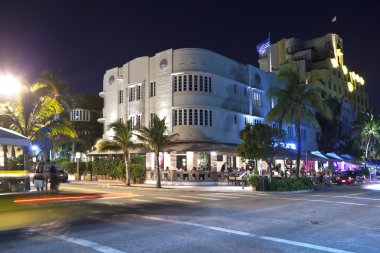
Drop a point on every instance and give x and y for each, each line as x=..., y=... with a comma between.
x=270, y=55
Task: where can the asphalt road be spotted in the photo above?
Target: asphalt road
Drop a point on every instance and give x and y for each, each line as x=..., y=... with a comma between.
x=199, y=219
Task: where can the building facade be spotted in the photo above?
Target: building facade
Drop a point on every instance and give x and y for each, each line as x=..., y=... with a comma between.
x=206, y=98
x=321, y=62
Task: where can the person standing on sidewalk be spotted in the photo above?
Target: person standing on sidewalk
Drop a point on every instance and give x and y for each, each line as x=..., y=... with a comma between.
x=53, y=175
x=39, y=180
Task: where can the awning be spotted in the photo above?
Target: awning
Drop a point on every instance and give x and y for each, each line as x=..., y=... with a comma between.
x=221, y=148
x=334, y=156
x=318, y=156
x=9, y=137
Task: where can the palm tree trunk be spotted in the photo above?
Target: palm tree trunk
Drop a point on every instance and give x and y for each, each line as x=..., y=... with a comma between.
x=127, y=171
x=158, y=184
x=298, y=132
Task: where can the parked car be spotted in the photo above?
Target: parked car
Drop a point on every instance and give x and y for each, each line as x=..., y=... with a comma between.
x=349, y=177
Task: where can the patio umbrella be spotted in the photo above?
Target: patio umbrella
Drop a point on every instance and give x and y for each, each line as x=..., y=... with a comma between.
x=9, y=137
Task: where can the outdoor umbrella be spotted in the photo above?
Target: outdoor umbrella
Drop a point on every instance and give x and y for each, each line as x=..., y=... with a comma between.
x=334, y=156
x=9, y=137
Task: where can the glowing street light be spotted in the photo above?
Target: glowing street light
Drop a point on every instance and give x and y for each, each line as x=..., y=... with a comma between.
x=9, y=85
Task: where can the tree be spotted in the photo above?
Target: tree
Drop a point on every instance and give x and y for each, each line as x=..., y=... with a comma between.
x=333, y=138
x=261, y=141
x=32, y=111
x=367, y=127
x=156, y=138
x=120, y=141
x=296, y=101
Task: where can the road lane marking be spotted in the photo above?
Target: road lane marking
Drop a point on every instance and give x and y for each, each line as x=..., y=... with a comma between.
x=347, y=197
x=142, y=200
x=89, y=244
x=176, y=199
x=242, y=233
x=220, y=196
x=329, y=201
x=198, y=197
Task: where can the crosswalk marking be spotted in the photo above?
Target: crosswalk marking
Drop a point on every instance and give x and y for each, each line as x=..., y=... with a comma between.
x=198, y=197
x=176, y=199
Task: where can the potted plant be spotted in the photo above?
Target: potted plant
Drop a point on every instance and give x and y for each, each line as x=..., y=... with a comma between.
x=254, y=181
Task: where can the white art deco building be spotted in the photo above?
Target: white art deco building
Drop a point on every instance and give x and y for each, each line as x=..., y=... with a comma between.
x=206, y=98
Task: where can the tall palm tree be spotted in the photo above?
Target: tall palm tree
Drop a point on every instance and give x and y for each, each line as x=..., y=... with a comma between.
x=120, y=141
x=368, y=130
x=32, y=111
x=156, y=138
x=296, y=101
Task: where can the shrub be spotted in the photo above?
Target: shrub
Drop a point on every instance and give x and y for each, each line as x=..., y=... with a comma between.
x=114, y=168
x=254, y=180
x=137, y=171
x=291, y=184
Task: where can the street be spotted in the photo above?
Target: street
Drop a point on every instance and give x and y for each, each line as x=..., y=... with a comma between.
x=196, y=219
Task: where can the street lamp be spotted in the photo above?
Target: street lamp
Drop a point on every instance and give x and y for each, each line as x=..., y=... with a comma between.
x=9, y=85
x=77, y=156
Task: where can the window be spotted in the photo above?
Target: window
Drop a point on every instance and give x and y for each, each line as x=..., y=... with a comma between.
x=200, y=83
x=196, y=117
x=151, y=118
x=190, y=82
x=195, y=82
x=190, y=117
x=132, y=118
x=184, y=83
x=130, y=95
x=206, y=117
x=138, y=121
x=121, y=92
x=175, y=117
x=209, y=85
x=245, y=92
x=257, y=99
x=185, y=117
x=180, y=117
x=206, y=84
x=304, y=134
x=175, y=83
x=235, y=89
x=152, y=89
x=273, y=102
x=210, y=118
x=235, y=119
x=245, y=121
x=138, y=92
x=180, y=83
x=201, y=117
x=290, y=131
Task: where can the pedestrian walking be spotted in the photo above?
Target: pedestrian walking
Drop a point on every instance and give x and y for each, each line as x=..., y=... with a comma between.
x=53, y=176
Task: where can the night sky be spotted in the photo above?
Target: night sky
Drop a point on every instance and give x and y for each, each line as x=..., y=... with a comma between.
x=82, y=39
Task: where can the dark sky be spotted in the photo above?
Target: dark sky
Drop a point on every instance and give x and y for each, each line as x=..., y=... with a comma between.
x=81, y=39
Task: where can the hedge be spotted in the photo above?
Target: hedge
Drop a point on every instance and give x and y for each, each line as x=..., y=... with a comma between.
x=291, y=184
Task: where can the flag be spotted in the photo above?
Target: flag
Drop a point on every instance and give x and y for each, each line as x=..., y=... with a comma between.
x=262, y=47
x=333, y=20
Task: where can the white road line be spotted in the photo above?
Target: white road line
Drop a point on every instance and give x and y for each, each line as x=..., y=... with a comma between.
x=242, y=233
x=329, y=201
x=197, y=197
x=176, y=199
x=142, y=200
x=89, y=244
x=220, y=196
x=347, y=197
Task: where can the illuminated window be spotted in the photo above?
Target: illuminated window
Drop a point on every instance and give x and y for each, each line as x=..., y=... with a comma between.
x=121, y=96
x=257, y=101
